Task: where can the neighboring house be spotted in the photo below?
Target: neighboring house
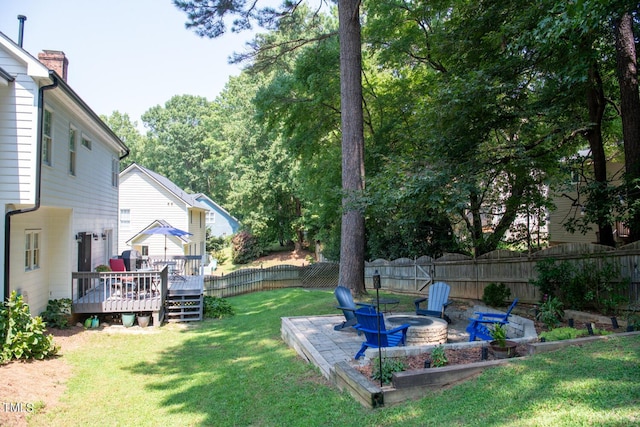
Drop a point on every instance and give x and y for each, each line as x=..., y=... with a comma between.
x=219, y=221
x=148, y=199
x=569, y=204
x=59, y=168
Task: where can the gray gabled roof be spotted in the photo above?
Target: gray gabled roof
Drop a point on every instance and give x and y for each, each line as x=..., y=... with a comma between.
x=167, y=184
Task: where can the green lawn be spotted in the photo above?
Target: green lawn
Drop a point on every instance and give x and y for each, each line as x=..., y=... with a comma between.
x=238, y=372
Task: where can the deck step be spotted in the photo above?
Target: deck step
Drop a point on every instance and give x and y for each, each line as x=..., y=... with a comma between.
x=184, y=308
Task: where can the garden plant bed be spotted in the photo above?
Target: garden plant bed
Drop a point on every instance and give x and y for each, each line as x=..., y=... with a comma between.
x=462, y=363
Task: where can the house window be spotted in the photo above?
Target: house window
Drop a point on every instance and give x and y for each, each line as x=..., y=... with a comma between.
x=575, y=177
x=86, y=142
x=125, y=219
x=46, y=137
x=115, y=172
x=73, y=135
x=144, y=250
x=211, y=217
x=32, y=250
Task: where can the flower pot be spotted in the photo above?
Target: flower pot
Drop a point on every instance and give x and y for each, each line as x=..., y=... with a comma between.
x=143, y=321
x=509, y=350
x=128, y=319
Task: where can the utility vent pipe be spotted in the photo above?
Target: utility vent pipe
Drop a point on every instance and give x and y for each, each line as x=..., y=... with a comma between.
x=21, y=18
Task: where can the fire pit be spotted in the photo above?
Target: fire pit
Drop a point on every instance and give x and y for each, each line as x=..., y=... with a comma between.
x=424, y=330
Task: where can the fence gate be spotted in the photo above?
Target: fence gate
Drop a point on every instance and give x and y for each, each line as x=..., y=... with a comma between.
x=423, y=276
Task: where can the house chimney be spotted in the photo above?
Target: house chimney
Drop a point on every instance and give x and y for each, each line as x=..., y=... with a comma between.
x=21, y=18
x=55, y=60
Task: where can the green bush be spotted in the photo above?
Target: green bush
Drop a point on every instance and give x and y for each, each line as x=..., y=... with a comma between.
x=58, y=313
x=566, y=333
x=550, y=312
x=217, y=308
x=495, y=295
x=589, y=285
x=389, y=366
x=438, y=357
x=244, y=248
x=552, y=276
x=23, y=336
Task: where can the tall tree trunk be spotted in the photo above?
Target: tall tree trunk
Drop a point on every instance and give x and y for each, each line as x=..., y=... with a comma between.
x=630, y=107
x=596, y=104
x=352, y=239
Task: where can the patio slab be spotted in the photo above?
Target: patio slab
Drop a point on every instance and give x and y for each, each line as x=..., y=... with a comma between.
x=315, y=340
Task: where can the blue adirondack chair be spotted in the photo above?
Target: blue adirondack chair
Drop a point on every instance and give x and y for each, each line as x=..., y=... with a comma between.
x=348, y=307
x=367, y=318
x=478, y=326
x=437, y=301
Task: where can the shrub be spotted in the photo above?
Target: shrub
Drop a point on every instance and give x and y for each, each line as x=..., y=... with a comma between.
x=22, y=336
x=58, y=313
x=552, y=277
x=566, y=333
x=591, y=284
x=495, y=295
x=550, y=312
x=438, y=357
x=217, y=308
x=563, y=333
x=245, y=248
x=389, y=366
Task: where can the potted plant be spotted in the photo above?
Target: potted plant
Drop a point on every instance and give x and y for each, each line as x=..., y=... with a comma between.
x=144, y=319
x=128, y=319
x=501, y=346
x=102, y=268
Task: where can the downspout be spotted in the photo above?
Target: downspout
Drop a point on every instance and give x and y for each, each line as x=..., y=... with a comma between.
x=8, y=215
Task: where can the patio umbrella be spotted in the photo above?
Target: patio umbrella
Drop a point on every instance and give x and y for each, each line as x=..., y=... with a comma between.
x=167, y=230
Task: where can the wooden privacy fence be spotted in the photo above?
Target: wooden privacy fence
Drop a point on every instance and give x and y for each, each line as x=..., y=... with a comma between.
x=318, y=275
x=469, y=276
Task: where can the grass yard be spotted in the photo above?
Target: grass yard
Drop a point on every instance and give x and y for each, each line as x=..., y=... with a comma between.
x=238, y=372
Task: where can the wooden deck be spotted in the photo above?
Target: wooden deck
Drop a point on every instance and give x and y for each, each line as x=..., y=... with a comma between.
x=152, y=292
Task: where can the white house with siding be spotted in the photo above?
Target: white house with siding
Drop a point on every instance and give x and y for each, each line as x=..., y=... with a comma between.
x=59, y=168
x=148, y=199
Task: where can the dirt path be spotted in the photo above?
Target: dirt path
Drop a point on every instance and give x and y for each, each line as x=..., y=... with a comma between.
x=37, y=385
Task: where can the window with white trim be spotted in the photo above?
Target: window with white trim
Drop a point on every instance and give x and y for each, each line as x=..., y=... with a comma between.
x=47, y=140
x=73, y=136
x=115, y=172
x=125, y=219
x=32, y=250
x=86, y=142
x=211, y=217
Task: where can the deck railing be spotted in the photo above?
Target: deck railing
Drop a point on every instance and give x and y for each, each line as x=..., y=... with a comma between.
x=111, y=291
x=187, y=265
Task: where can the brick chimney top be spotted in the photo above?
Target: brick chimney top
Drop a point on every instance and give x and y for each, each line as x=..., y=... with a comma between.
x=55, y=60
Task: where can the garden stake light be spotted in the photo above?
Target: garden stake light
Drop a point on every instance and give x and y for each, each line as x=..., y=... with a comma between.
x=614, y=322
x=376, y=285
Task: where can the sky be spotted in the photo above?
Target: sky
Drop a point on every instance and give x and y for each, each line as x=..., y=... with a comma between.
x=125, y=55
